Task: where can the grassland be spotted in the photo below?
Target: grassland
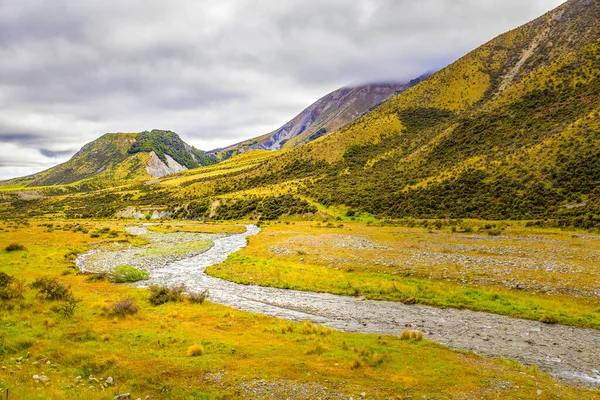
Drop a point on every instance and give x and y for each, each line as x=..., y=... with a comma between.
x=243, y=355
x=496, y=267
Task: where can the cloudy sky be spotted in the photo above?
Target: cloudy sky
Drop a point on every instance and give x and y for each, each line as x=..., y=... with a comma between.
x=216, y=72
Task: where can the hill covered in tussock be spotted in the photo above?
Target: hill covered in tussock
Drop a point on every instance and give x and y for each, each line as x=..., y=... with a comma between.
x=117, y=158
x=509, y=131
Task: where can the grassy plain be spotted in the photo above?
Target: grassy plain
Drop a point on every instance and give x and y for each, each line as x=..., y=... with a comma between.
x=502, y=268
x=156, y=351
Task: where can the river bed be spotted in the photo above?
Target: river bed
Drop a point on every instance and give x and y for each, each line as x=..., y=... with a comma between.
x=567, y=353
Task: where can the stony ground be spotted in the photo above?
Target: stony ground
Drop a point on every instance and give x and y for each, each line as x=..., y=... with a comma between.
x=546, y=264
x=161, y=250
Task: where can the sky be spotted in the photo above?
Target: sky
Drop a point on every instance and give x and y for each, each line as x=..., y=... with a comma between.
x=215, y=72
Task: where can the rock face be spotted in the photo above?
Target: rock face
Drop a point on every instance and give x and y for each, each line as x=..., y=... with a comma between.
x=327, y=114
x=157, y=168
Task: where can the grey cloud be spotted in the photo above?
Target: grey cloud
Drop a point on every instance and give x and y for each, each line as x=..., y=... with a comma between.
x=215, y=72
x=56, y=153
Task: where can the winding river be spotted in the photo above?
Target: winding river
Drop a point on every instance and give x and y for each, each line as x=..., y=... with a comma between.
x=569, y=354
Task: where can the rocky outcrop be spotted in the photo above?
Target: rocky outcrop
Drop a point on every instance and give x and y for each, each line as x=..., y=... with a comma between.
x=157, y=168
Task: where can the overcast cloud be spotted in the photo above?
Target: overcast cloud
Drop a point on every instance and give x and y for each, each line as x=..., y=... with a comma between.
x=216, y=72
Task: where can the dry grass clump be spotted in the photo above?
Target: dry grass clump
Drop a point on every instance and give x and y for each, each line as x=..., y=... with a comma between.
x=316, y=350
x=195, y=350
x=198, y=297
x=415, y=335
x=308, y=328
x=124, y=308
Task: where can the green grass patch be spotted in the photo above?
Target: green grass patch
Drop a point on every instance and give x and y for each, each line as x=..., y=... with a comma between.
x=127, y=273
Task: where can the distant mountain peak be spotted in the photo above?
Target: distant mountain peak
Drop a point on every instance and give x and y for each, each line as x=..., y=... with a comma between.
x=331, y=112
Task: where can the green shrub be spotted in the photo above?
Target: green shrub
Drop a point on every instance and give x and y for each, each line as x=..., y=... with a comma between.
x=15, y=247
x=51, y=289
x=127, y=273
x=163, y=294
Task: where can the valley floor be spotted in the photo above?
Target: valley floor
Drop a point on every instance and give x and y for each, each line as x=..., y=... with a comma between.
x=243, y=354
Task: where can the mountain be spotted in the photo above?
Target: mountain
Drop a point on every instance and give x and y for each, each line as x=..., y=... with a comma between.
x=329, y=113
x=120, y=157
x=509, y=131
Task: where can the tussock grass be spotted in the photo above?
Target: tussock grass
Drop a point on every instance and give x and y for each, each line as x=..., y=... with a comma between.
x=195, y=350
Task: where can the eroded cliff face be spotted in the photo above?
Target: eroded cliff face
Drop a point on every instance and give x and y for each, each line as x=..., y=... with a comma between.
x=157, y=168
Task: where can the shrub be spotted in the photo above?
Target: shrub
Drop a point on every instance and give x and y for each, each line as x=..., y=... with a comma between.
x=195, y=350
x=198, y=298
x=66, y=309
x=11, y=287
x=124, y=308
x=163, y=294
x=101, y=276
x=126, y=273
x=549, y=319
x=51, y=289
x=15, y=247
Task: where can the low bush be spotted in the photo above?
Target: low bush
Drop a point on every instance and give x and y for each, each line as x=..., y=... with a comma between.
x=198, y=297
x=11, y=287
x=549, y=319
x=51, y=289
x=15, y=247
x=101, y=276
x=124, y=308
x=163, y=294
x=66, y=309
x=126, y=273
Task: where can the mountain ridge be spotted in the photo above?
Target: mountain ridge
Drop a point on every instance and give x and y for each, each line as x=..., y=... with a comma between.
x=329, y=113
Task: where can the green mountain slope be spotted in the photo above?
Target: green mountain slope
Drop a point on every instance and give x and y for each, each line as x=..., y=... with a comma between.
x=116, y=158
x=509, y=131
